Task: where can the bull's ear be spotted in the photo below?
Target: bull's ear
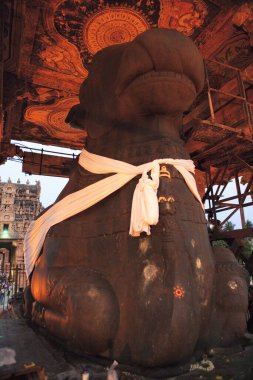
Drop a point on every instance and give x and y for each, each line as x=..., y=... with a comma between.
x=76, y=117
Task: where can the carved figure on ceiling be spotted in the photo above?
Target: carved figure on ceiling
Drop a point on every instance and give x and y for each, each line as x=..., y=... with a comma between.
x=182, y=15
x=53, y=52
x=55, y=56
x=50, y=119
x=40, y=95
x=243, y=18
x=148, y=300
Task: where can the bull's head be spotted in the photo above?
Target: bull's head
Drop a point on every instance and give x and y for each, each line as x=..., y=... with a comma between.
x=159, y=73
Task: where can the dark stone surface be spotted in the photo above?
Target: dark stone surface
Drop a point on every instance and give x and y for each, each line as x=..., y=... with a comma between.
x=151, y=301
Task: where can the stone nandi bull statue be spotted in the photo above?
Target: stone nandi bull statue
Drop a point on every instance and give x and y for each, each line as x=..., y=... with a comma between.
x=149, y=300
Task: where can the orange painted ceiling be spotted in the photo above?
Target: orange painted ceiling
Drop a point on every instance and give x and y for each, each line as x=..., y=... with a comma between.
x=48, y=45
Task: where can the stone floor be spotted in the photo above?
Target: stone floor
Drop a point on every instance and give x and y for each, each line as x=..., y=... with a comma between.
x=31, y=348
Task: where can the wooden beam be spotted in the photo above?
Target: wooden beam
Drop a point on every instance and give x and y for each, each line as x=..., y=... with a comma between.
x=226, y=128
x=234, y=234
x=211, y=183
x=213, y=149
x=230, y=207
x=202, y=107
x=221, y=181
x=241, y=198
x=232, y=198
x=43, y=164
x=244, y=163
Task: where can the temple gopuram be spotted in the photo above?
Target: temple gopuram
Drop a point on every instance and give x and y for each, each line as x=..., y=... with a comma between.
x=19, y=205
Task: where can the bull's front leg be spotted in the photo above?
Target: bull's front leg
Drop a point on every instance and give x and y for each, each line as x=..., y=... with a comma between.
x=76, y=304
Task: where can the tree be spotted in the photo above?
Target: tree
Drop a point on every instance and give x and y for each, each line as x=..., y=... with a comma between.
x=248, y=224
x=220, y=243
x=248, y=241
x=229, y=226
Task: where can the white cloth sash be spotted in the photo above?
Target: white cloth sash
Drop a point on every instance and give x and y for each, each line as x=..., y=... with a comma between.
x=145, y=211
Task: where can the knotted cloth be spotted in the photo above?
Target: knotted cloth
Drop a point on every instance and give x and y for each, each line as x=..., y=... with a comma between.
x=145, y=210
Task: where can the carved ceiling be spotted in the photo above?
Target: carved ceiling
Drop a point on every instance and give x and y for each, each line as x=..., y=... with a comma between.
x=48, y=45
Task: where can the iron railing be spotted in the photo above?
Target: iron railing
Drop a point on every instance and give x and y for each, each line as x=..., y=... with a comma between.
x=13, y=282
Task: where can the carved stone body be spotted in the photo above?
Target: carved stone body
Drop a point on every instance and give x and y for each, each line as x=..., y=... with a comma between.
x=149, y=301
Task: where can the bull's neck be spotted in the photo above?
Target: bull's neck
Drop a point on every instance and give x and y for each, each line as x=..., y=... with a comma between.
x=144, y=141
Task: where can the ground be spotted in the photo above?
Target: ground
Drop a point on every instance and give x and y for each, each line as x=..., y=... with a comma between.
x=35, y=350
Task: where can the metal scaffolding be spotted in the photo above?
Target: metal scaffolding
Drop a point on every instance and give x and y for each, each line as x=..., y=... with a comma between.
x=229, y=121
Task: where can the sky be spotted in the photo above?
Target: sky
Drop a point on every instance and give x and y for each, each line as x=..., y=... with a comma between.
x=248, y=211
x=52, y=186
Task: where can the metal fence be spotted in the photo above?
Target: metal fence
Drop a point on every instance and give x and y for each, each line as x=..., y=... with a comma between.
x=13, y=281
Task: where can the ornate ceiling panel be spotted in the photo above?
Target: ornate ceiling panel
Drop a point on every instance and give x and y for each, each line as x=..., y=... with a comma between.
x=43, y=112
x=50, y=43
x=113, y=26
x=91, y=26
x=51, y=118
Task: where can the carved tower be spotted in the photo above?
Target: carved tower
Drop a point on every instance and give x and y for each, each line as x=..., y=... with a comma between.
x=19, y=205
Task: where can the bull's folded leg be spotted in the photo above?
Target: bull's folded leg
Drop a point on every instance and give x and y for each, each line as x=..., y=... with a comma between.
x=77, y=305
x=228, y=322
